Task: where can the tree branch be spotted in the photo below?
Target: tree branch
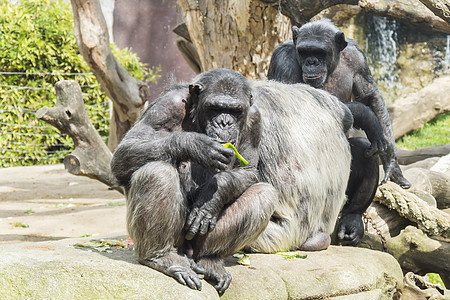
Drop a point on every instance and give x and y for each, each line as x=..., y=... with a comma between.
x=128, y=94
x=411, y=12
x=440, y=8
x=91, y=156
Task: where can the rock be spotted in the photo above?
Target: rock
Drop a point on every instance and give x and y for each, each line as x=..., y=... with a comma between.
x=55, y=269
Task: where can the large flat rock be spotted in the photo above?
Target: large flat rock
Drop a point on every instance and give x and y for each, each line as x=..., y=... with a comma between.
x=56, y=270
x=65, y=206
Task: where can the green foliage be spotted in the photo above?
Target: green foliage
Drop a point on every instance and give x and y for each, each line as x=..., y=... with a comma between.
x=36, y=38
x=20, y=224
x=435, y=132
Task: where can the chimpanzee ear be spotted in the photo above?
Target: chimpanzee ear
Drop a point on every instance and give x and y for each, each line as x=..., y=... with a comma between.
x=295, y=33
x=339, y=38
x=195, y=89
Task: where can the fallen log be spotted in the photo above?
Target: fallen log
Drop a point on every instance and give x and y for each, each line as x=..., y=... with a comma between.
x=406, y=157
x=415, y=251
x=435, y=183
x=414, y=110
x=418, y=253
x=91, y=156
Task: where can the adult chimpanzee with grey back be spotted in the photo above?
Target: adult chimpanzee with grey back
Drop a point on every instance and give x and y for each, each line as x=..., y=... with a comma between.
x=176, y=171
x=321, y=56
x=190, y=202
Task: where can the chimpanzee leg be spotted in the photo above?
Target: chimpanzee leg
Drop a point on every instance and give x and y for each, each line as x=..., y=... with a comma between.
x=156, y=212
x=318, y=241
x=361, y=188
x=239, y=225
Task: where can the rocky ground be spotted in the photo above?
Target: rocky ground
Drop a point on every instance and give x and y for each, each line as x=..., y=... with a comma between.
x=42, y=203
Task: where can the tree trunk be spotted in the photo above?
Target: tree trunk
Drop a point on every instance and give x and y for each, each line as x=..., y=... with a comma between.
x=238, y=35
x=128, y=94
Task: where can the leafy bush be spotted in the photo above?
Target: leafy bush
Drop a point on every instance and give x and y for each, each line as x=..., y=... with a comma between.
x=37, y=49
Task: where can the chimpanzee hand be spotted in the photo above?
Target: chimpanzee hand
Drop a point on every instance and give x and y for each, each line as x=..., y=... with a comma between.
x=202, y=218
x=207, y=152
x=377, y=144
x=351, y=229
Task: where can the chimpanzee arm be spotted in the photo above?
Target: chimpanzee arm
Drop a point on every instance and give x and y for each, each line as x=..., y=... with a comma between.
x=365, y=119
x=158, y=136
x=224, y=187
x=366, y=91
x=284, y=66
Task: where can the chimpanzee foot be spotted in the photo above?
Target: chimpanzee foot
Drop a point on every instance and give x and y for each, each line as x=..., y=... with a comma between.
x=400, y=180
x=177, y=266
x=316, y=242
x=215, y=272
x=394, y=173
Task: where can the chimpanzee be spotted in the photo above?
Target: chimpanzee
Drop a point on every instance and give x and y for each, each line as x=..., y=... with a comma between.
x=189, y=200
x=321, y=56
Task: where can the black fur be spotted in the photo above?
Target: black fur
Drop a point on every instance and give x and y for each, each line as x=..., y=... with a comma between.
x=322, y=57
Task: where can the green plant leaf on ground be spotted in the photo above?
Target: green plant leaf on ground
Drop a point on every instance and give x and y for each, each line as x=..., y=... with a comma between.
x=290, y=255
x=103, y=245
x=20, y=224
x=115, y=203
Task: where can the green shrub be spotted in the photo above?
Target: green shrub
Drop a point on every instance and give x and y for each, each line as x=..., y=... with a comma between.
x=435, y=132
x=37, y=49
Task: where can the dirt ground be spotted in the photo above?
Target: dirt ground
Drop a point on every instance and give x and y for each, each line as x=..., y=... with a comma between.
x=41, y=203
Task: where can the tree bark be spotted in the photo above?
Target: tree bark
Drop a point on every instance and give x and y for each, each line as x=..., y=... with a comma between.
x=415, y=251
x=418, y=253
x=411, y=12
x=440, y=8
x=414, y=110
x=91, y=156
x=238, y=35
x=128, y=94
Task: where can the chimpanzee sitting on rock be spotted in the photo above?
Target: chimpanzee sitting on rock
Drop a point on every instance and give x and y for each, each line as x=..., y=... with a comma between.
x=321, y=56
x=190, y=202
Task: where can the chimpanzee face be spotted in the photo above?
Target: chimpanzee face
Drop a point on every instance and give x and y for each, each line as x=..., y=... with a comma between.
x=313, y=58
x=222, y=105
x=318, y=51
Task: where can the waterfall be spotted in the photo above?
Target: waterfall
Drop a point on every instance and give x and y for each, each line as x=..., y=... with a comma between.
x=382, y=38
x=381, y=50
x=447, y=53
